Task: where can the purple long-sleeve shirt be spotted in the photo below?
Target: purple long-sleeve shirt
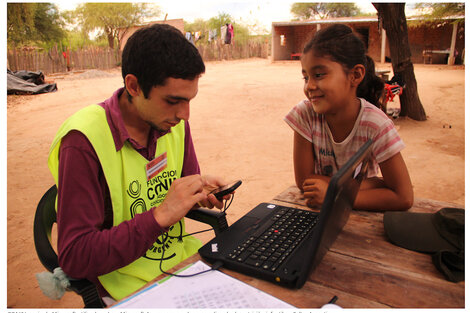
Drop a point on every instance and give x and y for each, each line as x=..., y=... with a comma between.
x=88, y=244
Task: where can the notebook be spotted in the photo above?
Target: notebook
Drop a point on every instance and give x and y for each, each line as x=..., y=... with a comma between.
x=283, y=244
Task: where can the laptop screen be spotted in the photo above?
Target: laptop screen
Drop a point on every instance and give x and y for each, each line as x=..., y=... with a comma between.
x=284, y=244
x=335, y=210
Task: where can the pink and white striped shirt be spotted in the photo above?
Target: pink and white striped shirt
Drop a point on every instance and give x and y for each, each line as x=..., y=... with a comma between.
x=329, y=155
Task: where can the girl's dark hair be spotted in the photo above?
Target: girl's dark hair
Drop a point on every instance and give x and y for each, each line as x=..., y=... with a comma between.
x=156, y=52
x=339, y=43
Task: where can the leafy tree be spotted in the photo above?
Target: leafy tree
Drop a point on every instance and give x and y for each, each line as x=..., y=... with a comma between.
x=218, y=21
x=38, y=23
x=241, y=33
x=20, y=22
x=322, y=10
x=429, y=13
x=198, y=25
x=393, y=19
x=438, y=10
x=48, y=24
x=112, y=19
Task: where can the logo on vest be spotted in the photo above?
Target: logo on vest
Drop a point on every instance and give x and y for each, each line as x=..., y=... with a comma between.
x=157, y=188
x=162, y=248
x=138, y=206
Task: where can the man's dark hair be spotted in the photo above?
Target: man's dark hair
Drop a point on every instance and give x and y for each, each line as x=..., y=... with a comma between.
x=159, y=51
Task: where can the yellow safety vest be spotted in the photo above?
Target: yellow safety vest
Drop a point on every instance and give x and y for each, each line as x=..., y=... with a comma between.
x=131, y=194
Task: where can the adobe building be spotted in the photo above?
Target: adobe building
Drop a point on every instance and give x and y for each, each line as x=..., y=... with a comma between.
x=433, y=42
x=124, y=35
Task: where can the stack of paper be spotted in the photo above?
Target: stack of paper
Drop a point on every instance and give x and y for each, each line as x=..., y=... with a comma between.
x=213, y=289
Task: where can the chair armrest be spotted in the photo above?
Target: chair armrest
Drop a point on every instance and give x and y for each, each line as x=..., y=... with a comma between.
x=214, y=218
x=88, y=291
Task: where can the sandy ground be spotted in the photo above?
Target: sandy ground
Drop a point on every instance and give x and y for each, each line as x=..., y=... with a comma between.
x=238, y=132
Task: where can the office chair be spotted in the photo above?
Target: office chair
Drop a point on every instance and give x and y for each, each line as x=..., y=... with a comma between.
x=45, y=218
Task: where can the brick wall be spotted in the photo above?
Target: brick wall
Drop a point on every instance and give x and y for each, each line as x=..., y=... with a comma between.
x=298, y=35
x=437, y=36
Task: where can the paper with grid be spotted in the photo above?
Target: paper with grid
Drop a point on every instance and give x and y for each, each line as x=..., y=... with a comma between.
x=213, y=289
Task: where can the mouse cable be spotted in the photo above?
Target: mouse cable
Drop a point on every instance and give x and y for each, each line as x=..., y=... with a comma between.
x=180, y=237
x=214, y=267
x=227, y=206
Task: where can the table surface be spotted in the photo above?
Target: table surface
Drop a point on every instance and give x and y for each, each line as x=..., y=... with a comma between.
x=363, y=269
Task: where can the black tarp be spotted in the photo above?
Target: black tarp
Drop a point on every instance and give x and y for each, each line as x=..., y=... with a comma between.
x=27, y=83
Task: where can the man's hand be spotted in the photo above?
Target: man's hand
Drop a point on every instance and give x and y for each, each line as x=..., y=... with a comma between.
x=211, y=183
x=184, y=193
x=315, y=191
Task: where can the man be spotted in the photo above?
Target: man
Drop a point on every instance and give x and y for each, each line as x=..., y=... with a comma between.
x=127, y=172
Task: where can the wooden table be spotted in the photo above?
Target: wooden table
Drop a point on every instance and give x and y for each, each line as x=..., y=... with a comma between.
x=382, y=74
x=364, y=270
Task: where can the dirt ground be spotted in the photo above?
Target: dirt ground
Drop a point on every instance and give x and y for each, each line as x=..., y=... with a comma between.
x=239, y=133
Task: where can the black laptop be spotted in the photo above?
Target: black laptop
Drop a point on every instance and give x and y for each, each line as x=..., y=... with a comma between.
x=283, y=244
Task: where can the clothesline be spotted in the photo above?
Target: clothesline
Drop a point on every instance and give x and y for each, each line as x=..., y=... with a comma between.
x=226, y=34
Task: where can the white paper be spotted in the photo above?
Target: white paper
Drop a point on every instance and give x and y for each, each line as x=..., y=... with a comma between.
x=213, y=289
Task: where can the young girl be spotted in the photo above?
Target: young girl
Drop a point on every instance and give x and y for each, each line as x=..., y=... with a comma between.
x=336, y=120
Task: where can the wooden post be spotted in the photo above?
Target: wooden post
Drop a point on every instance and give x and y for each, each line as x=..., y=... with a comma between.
x=383, y=46
x=451, y=59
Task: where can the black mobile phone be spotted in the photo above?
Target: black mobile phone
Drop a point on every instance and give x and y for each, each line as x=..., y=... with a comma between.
x=225, y=190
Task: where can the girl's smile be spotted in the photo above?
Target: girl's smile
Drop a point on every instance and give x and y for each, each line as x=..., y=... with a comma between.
x=327, y=85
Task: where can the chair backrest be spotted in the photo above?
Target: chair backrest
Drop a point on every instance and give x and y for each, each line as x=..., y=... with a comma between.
x=44, y=219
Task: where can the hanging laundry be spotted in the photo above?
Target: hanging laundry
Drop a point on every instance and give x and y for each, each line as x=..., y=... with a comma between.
x=212, y=34
x=230, y=29
x=228, y=35
x=192, y=38
x=223, y=33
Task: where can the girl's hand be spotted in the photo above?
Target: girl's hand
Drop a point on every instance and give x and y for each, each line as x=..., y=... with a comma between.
x=315, y=191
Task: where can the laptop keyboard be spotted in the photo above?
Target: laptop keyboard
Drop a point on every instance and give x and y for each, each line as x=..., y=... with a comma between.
x=270, y=245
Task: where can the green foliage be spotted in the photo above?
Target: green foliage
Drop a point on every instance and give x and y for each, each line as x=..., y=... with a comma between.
x=112, y=19
x=34, y=23
x=430, y=12
x=75, y=40
x=439, y=10
x=241, y=33
x=41, y=24
x=20, y=22
x=198, y=25
x=217, y=21
x=323, y=10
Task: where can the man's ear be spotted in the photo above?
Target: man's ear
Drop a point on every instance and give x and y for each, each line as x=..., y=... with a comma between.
x=132, y=85
x=357, y=74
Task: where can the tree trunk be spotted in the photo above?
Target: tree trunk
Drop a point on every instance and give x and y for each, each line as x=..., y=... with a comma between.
x=392, y=16
x=109, y=35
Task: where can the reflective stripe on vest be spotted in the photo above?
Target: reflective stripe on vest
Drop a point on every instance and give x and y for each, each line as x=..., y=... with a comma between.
x=132, y=194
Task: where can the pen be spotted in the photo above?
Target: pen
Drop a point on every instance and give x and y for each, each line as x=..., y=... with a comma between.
x=333, y=300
